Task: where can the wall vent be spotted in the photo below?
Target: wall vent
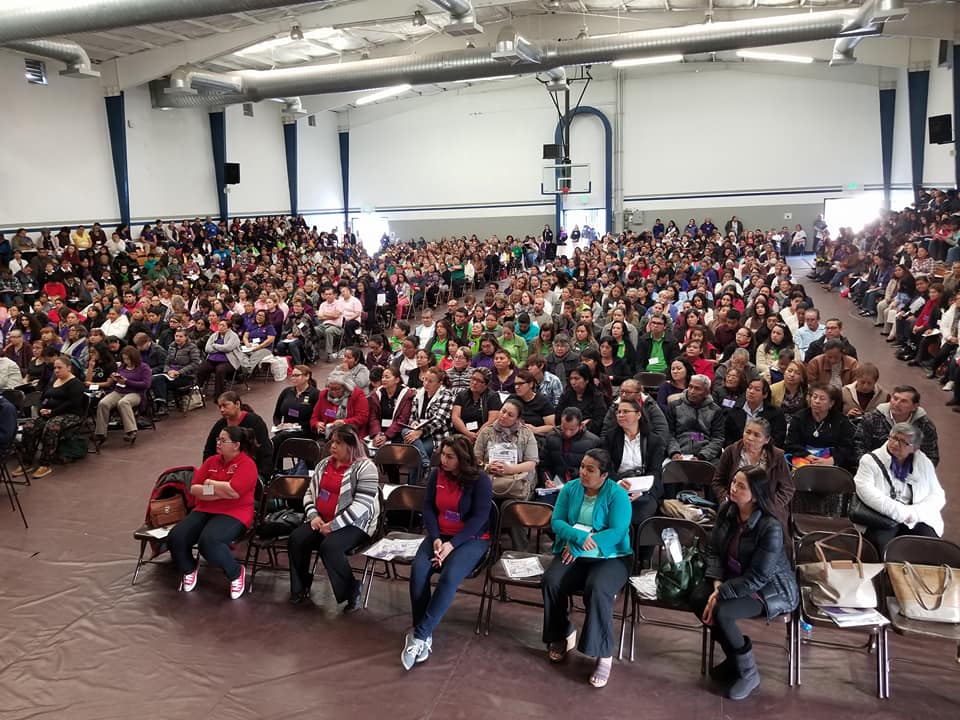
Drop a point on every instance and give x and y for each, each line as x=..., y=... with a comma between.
x=248, y=109
x=312, y=121
x=36, y=71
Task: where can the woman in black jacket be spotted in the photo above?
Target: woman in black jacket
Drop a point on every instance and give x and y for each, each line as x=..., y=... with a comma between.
x=291, y=414
x=235, y=412
x=635, y=452
x=582, y=393
x=748, y=575
x=820, y=433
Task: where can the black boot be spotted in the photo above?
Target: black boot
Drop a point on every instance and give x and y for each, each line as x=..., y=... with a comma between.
x=749, y=677
x=725, y=672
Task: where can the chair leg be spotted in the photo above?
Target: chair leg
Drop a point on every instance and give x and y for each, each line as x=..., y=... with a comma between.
x=372, y=563
x=634, y=614
x=623, y=620
x=12, y=493
x=483, y=599
x=136, y=572
x=883, y=664
x=489, y=620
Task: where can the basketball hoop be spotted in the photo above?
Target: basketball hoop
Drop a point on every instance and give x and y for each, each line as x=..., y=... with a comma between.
x=565, y=191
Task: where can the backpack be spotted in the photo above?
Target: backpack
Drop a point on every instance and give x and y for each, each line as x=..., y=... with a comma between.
x=72, y=447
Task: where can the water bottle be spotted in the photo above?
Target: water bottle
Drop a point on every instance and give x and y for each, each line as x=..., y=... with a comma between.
x=806, y=630
x=671, y=543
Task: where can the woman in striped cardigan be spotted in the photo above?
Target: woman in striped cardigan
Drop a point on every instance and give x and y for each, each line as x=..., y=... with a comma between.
x=342, y=508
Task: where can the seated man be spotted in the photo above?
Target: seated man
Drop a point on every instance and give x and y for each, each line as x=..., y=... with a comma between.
x=330, y=315
x=904, y=407
x=564, y=448
x=832, y=330
x=179, y=370
x=696, y=423
x=150, y=352
x=833, y=367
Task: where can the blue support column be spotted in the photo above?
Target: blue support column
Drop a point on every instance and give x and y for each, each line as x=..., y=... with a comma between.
x=117, y=128
x=218, y=139
x=956, y=114
x=918, y=84
x=345, y=174
x=290, y=146
x=607, y=164
x=888, y=103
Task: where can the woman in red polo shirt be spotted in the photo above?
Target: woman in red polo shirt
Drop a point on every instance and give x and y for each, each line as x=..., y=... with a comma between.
x=224, y=488
x=456, y=512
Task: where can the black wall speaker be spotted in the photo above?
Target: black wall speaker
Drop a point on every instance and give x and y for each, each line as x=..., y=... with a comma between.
x=231, y=173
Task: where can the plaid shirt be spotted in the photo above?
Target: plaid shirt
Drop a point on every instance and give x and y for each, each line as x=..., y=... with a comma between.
x=433, y=415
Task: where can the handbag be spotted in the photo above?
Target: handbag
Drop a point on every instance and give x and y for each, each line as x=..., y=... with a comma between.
x=516, y=486
x=841, y=583
x=675, y=581
x=194, y=400
x=280, y=523
x=167, y=511
x=926, y=592
x=862, y=514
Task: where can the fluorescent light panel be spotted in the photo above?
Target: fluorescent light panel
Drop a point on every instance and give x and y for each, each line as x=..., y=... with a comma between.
x=775, y=57
x=656, y=60
x=382, y=94
x=486, y=79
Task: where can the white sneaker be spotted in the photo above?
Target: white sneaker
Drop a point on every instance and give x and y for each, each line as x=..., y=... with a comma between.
x=424, y=654
x=412, y=649
x=948, y=387
x=189, y=581
x=237, y=586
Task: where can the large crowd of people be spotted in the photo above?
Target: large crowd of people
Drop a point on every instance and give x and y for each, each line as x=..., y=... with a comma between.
x=518, y=368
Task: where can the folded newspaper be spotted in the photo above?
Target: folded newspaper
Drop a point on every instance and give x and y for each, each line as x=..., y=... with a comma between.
x=522, y=567
x=854, y=617
x=391, y=549
x=645, y=584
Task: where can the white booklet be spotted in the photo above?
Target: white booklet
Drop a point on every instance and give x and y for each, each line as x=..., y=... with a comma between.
x=854, y=617
x=522, y=567
x=389, y=549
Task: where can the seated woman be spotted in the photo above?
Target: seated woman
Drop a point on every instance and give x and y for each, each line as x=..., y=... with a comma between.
x=863, y=394
x=538, y=413
x=258, y=341
x=591, y=358
x=429, y=417
x=456, y=516
x=130, y=383
x=820, y=434
x=294, y=406
x=756, y=448
x=223, y=489
x=394, y=405
x=507, y=450
x=756, y=403
x=899, y=482
x=235, y=413
x=748, y=575
x=338, y=404
x=504, y=375
x=61, y=410
x=730, y=391
x=423, y=359
x=790, y=394
x=583, y=394
x=679, y=378
x=591, y=523
x=342, y=508
x=769, y=350
x=636, y=451
x=223, y=357
x=352, y=365
x=477, y=407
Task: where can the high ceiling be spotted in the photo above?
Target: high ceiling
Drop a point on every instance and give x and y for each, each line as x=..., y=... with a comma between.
x=349, y=28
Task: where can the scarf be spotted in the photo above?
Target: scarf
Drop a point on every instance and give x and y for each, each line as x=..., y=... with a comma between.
x=503, y=434
x=340, y=403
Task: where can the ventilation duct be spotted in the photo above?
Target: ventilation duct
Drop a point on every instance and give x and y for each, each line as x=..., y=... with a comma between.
x=184, y=78
x=75, y=57
x=869, y=19
x=462, y=19
x=29, y=19
x=475, y=64
x=555, y=80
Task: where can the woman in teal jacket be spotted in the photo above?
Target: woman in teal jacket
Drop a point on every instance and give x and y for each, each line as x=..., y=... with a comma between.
x=591, y=522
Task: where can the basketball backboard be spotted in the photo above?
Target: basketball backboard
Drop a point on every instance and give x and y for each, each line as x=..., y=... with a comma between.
x=566, y=179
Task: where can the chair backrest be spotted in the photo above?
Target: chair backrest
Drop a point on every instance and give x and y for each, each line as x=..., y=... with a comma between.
x=689, y=532
x=396, y=454
x=493, y=548
x=525, y=514
x=822, y=490
x=841, y=547
x=688, y=472
x=922, y=550
x=306, y=449
x=287, y=487
x=651, y=380
x=15, y=398
x=405, y=497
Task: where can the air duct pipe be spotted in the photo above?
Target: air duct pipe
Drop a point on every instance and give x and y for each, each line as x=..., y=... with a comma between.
x=870, y=18
x=185, y=77
x=472, y=64
x=75, y=57
x=29, y=19
x=457, y=8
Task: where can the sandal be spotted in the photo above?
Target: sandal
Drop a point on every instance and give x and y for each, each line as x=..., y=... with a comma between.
x=601, y=673
x=557, y=651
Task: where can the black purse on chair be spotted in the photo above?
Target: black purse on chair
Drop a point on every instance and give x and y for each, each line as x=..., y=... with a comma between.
x=862, y=514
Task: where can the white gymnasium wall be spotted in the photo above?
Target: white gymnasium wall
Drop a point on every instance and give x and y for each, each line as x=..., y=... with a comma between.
x=170, y=160
x=453, y=154
x=902, y=171
x=735, y=130
x=318, y=165
x=938, y=167
x=55, y=162
x=257, y=144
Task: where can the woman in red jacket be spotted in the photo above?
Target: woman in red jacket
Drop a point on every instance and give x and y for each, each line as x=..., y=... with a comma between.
x=341, y=403
x=223, y=488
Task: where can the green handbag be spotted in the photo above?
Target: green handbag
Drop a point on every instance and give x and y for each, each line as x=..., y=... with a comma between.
x=675, y=581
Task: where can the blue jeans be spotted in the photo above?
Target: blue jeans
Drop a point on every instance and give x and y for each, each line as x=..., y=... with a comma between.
x=424, y=446
x=213, y=534
x=430, y=607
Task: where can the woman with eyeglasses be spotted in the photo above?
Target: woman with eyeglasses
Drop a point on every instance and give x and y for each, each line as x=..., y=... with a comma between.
x=341, y=512
x=899, y=482
x=636, y=459
x=582, y=393
x=236, y=413
x=507, y=450
x=476, y=407
x=222, y=491
x=460, y=373
x=291, y=414
x=537, y=412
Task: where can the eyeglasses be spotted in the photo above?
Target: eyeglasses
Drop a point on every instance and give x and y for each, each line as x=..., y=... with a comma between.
x=901, y=441
x=221, y=441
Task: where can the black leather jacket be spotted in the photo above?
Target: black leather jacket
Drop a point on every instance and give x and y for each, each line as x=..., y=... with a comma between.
x=767, y=571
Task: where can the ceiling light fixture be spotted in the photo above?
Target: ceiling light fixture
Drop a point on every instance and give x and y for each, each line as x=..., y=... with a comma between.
x=584, y=33
x=296, y=32
x=418, y=19
x=775, y=57
x=382, y=94
x=656, y=60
